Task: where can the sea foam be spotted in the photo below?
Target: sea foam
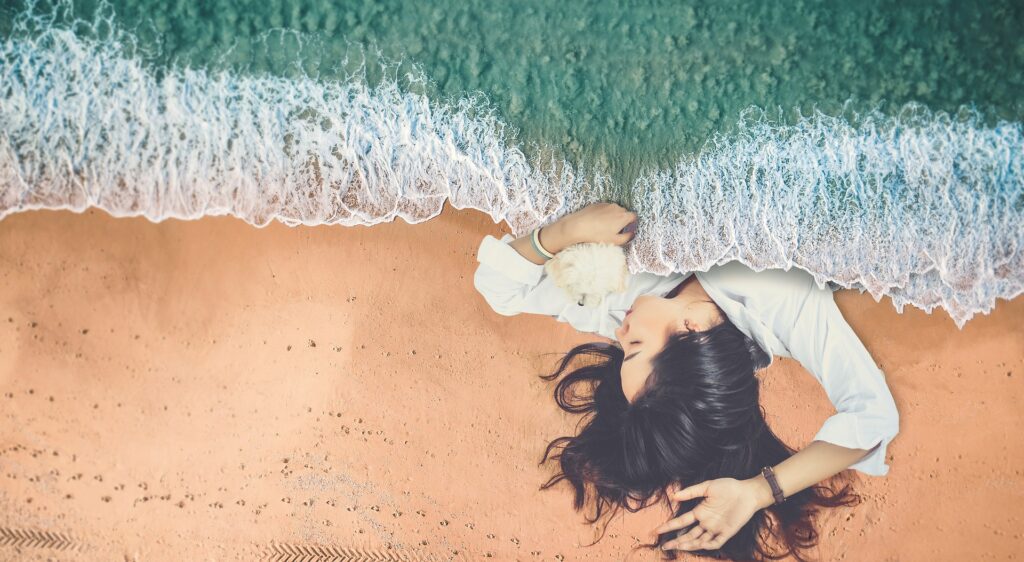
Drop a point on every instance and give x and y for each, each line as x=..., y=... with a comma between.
x=921, y=206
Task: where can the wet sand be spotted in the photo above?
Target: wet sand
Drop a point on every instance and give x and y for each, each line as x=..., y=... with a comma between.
x=208, y=390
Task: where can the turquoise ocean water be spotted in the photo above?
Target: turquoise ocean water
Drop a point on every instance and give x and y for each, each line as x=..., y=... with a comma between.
x=876, y=144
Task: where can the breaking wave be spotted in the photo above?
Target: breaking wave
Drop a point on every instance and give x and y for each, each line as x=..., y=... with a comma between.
x=922, y=206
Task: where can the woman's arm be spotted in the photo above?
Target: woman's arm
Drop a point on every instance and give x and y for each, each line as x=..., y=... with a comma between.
x=814, y=331
x=602, y=222
x=511, y=277
x=511, y=274
x=730, y=503
x=820, y=338
x=812, y=464
x=554, y=238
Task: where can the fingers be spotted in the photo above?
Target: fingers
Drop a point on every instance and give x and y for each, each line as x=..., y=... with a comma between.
x=695, y=491
x=681, y=522
x=711, y=541
x=707, y=541
x=628, y=232
x=716, y=542
x=692, y=535
x=687, y=540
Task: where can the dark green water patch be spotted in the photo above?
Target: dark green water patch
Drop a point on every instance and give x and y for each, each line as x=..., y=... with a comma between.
x=627, y=89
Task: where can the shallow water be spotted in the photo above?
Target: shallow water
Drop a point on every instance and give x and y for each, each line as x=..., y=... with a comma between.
x=149, y=112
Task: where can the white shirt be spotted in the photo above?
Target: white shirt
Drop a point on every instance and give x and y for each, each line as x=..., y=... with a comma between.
x=784, y=311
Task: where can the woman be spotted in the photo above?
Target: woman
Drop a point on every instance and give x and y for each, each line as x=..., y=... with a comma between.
x=675, y=403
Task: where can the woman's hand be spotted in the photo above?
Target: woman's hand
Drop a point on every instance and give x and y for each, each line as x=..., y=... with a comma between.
x=728, y=505
x=601, y=222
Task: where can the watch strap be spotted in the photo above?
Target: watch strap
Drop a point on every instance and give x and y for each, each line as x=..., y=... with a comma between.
x=769, y=475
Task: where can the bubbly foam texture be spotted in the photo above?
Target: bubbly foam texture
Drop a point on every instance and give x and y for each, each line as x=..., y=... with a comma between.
x=922, y=206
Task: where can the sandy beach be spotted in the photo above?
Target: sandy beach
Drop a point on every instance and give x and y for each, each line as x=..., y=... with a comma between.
x=208, y=390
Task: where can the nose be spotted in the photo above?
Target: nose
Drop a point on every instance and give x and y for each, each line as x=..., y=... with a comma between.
x=620, y=332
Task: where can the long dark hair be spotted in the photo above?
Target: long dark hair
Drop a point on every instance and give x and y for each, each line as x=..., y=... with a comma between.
x=697, y=418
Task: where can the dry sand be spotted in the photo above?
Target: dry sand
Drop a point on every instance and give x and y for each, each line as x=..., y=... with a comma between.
x=208, y=390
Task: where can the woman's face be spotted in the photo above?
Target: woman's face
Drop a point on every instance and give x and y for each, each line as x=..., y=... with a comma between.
x=649, y=324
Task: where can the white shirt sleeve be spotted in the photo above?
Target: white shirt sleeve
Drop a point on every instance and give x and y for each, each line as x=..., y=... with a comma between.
x=824, y=343
x=512, y=284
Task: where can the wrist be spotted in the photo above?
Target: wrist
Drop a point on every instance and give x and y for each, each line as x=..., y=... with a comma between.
x=555, y=237
x=762, y=491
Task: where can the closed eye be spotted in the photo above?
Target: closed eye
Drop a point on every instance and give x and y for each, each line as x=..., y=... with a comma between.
x=631, y=355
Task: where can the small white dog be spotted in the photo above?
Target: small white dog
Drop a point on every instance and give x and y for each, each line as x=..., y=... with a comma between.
x=588, y=272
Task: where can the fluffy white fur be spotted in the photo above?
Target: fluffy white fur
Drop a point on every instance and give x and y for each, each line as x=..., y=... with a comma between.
x=590, y=271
